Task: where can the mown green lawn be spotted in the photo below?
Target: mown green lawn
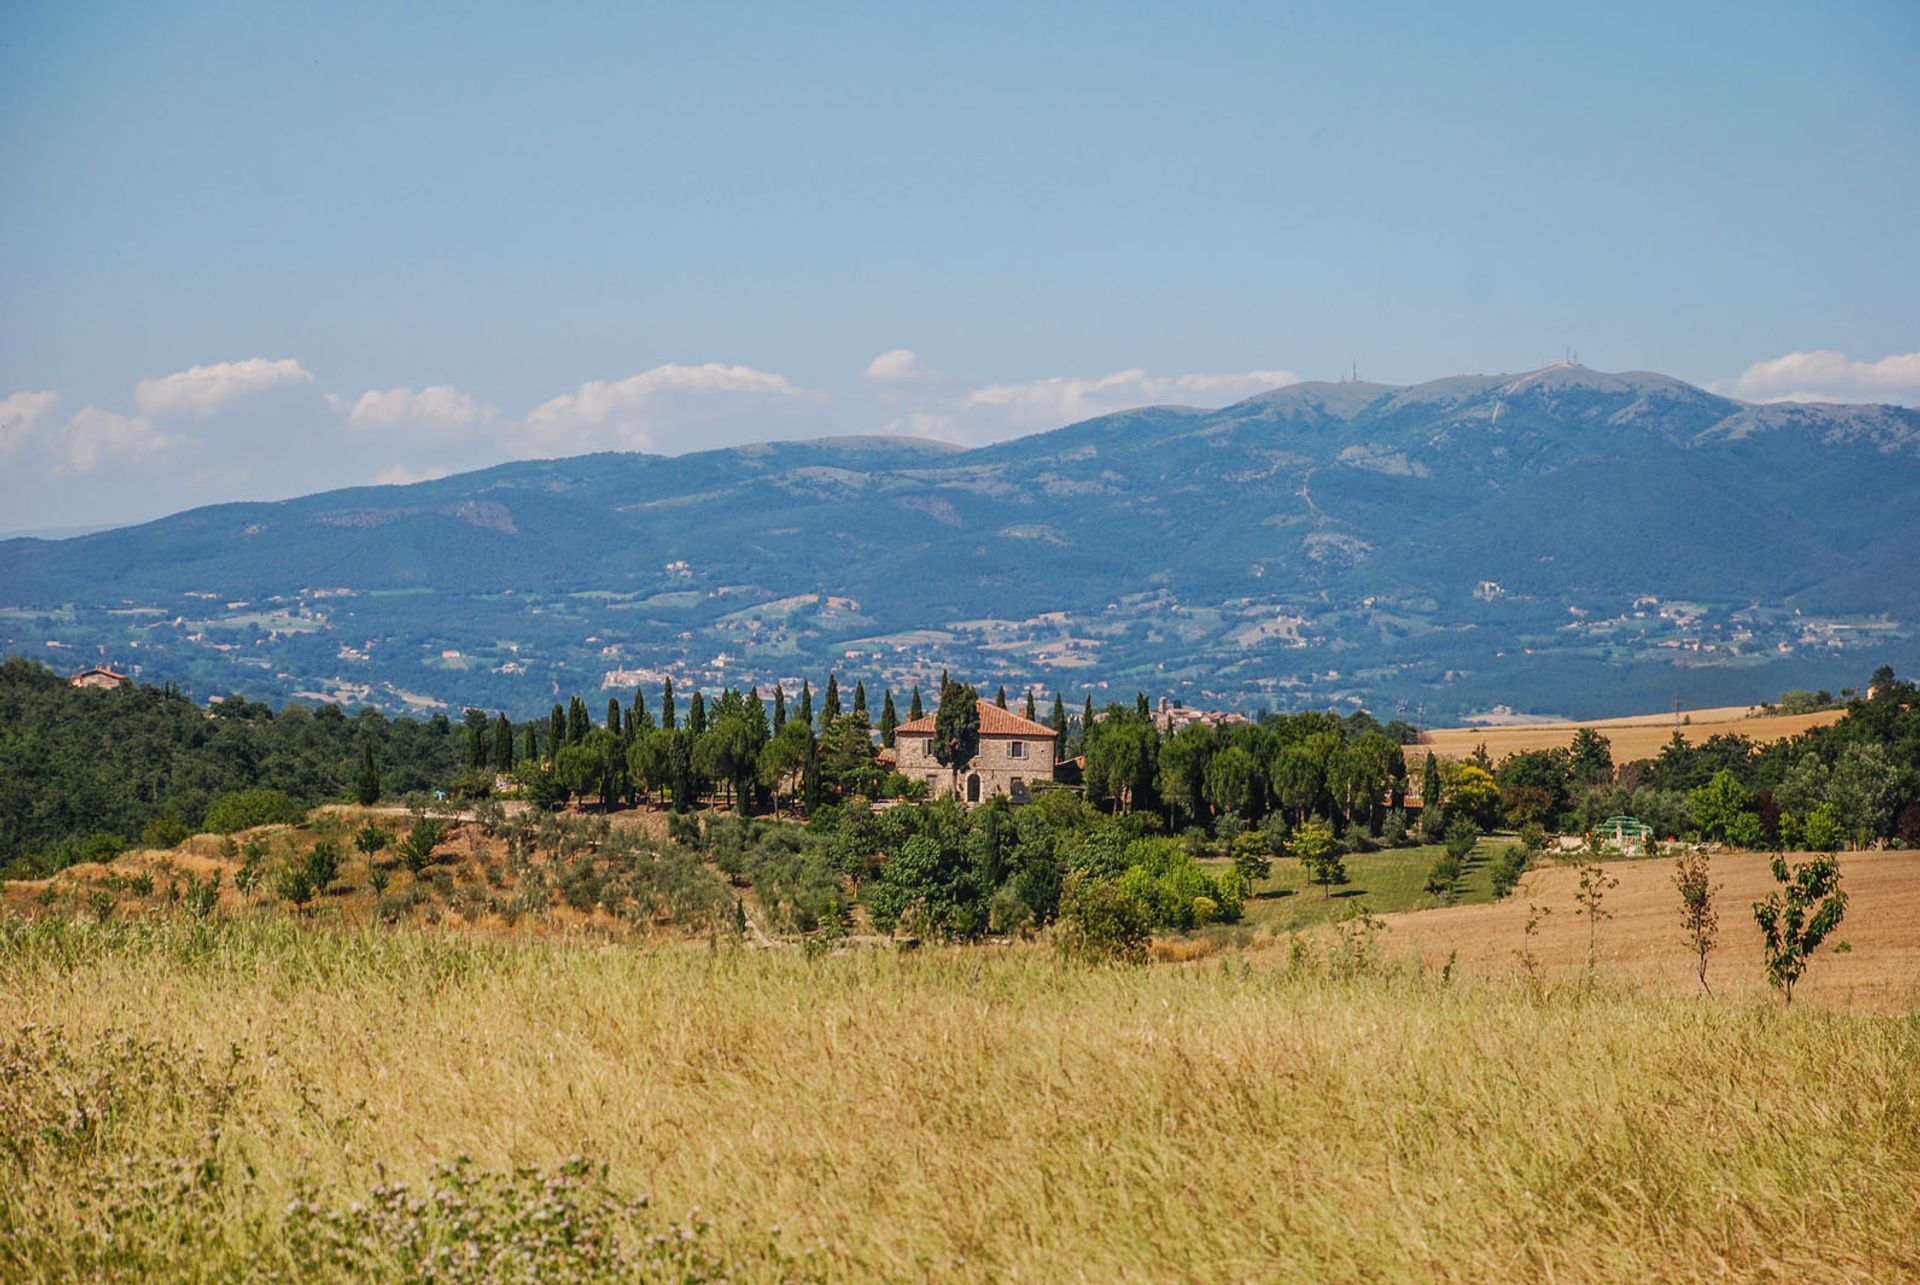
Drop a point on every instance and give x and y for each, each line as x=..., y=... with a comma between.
x=1388, y=880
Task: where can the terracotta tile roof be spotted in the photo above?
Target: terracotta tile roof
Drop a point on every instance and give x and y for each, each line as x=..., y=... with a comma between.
x=994, y=721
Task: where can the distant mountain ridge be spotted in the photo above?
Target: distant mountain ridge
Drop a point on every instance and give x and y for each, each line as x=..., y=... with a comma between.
x=1566, y=540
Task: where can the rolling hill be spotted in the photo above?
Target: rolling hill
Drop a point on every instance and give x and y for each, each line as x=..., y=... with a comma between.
x=1566, y=542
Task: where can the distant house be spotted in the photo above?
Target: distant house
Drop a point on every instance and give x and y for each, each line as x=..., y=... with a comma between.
x=99, y=676
x=1170, y=717
x=1014, y=753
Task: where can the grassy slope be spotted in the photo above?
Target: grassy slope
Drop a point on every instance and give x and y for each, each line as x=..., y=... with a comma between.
x=965, y=1113
x=1386, y=882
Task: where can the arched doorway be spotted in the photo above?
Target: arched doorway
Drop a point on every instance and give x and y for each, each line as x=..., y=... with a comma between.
x=973, y=787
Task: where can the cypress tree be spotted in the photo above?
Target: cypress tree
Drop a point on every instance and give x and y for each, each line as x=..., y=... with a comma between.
x=830, y=706
x=697, y=713
x=806, y=703
x=1032, y=717
x=860, y=699
x=888, y=719
x=531, y=750
x=914, y=708
x=1059, y=721
x=638, y=714
x=810, y=788
x=666, y=704
x=943, y=681
x=1086, y=724
x=779, y=708
x=1140, y=705
x=556, y=730
x=1000, y=699
x=577, y=721
x=477, y=742
x=502, y=744
x=369, y=784
x=613, y=715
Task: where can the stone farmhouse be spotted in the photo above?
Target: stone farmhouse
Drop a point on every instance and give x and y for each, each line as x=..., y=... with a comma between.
x=99, y=676
x=1015, y=753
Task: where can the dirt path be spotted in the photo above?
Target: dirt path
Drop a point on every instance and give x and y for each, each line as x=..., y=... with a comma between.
x=1643, y=941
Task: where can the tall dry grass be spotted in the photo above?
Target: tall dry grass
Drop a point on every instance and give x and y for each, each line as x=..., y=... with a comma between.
x=965, y=1113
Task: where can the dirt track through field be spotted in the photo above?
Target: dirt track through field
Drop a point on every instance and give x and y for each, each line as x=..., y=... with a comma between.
x=1643, y=942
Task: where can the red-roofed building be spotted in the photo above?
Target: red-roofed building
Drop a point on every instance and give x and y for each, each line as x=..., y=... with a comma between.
x=1015, y=753
x=99, y=676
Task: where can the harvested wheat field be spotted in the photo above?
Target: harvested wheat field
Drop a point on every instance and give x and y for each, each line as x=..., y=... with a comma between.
x=1642, y=942
x=1636, y=736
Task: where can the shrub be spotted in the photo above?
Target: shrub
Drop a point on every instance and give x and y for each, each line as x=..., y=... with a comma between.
x=323, y=865
x=1101, y=923
x=295, y=884
x=165, y=832
x=1512, y=863
x=416, y=850
x=245, y=809
x=1393, y=830
x=1444, y=873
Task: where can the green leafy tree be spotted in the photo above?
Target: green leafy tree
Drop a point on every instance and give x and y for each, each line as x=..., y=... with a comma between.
x=1183, y=762
x=1793, y=926
x=1719, y=804
x=370, y=839
x=1823, y=831
x=1314, y=846
x=1297, y=781
x=1590, y=758
x=1122, y=757
x=783, y=758
x=1232, y=780
x=1862, y=789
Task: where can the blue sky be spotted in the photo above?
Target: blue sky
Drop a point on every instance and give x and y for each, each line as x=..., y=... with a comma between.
x=250, y=251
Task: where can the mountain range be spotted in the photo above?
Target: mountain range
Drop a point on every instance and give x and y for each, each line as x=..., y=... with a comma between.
x=1567, y=542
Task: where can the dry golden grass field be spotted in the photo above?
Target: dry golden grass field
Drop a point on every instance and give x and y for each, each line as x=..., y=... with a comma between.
x=1634, y=737
x=231, y=1099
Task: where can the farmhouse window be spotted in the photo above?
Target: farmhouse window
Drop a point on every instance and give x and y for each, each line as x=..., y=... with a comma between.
x=1016, y=749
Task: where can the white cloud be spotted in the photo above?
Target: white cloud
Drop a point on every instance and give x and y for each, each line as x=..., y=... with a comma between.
x=401, y=475
x=1827, y=376
x=18, y=415
x=1050, y=403
x=900, y=366
x=94, y=437
x=439, y=406
x=200, y=391
x=635, y=413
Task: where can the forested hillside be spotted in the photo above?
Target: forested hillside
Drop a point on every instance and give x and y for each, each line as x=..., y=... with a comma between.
x=1566, y=542
x=85, y=772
